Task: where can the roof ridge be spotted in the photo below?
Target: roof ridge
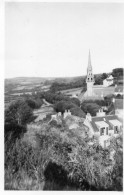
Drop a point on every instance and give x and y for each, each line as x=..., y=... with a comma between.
x=104, y=116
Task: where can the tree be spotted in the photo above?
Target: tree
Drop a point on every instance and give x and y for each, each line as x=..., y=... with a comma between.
x=77, y=112
x=91, y=108
x=117, y=72
x=18, y=113
x=75, y=101
x=31, y=103
x=98, y=80
x=104, y=76
x=61, y=106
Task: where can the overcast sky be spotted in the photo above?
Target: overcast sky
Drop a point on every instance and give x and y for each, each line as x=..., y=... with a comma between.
x=53, y=39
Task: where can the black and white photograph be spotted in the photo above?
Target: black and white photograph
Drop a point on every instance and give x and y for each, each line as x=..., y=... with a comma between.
x=63, y=96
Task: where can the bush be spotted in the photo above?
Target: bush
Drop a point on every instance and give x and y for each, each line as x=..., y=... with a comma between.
x=61, y=157
x=91, y=108
x=77, y=112
x=18, y=113
x=34, y=103
x=61, y=106
x=75, y=101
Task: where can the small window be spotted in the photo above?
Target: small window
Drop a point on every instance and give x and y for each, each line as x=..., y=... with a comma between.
x=102, y=131
x=106, y=130
x=116, y=129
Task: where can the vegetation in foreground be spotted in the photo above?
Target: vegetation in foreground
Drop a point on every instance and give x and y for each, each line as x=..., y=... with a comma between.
x=54, y=157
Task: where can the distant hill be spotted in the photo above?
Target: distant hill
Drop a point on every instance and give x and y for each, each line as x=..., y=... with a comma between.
x=25, y=80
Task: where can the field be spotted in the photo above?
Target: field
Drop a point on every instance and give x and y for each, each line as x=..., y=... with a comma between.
x=71, y=92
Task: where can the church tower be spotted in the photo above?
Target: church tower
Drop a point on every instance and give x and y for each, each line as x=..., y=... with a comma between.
x=90, y=78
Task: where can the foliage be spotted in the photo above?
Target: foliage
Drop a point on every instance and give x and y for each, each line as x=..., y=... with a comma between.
x=62, y=159
x=63, y=86
x=98, y=80
x=34, y=103
x=75, y=101
x=76, y=111
x=61, y=106
x=18, y=113
x=90, y=107
x=119, y=96
x=117, y=72
x=104, y=76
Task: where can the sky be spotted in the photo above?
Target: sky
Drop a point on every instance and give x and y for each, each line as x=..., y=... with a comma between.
x=53, y=39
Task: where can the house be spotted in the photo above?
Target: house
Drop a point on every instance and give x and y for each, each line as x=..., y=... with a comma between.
x=108, y=81
x=103, y=127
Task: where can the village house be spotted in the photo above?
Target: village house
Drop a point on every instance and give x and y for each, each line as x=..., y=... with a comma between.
x=108, y=81
x=103, y=127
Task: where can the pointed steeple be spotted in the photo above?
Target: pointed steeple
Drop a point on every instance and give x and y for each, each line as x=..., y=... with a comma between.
x=90, y=77
x=89, y=62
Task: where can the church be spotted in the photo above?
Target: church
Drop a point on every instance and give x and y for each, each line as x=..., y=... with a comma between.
x=94, y=91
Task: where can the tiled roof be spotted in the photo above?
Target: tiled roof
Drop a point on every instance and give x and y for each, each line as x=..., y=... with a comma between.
x=103, y=118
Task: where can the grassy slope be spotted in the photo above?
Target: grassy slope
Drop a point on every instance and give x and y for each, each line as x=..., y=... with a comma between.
x=53, y=157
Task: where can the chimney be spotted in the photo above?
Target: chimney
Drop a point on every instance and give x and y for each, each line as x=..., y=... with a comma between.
x=100, y=113
x=113, y=100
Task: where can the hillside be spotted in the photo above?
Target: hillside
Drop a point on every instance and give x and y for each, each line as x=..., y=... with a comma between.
x=58, y=157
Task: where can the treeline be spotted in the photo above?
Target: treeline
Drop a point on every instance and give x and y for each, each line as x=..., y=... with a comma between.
x=63, y=86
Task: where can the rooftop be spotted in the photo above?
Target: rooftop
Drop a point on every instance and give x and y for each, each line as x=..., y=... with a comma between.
x=98, y=121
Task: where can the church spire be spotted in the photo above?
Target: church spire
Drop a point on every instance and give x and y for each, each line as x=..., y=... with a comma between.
x=90, y=77
x=89, y=63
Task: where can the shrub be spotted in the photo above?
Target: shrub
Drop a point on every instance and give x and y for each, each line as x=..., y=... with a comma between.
x=77, y=112
x=18, y=113
x=91, y=108
x=61, y=106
